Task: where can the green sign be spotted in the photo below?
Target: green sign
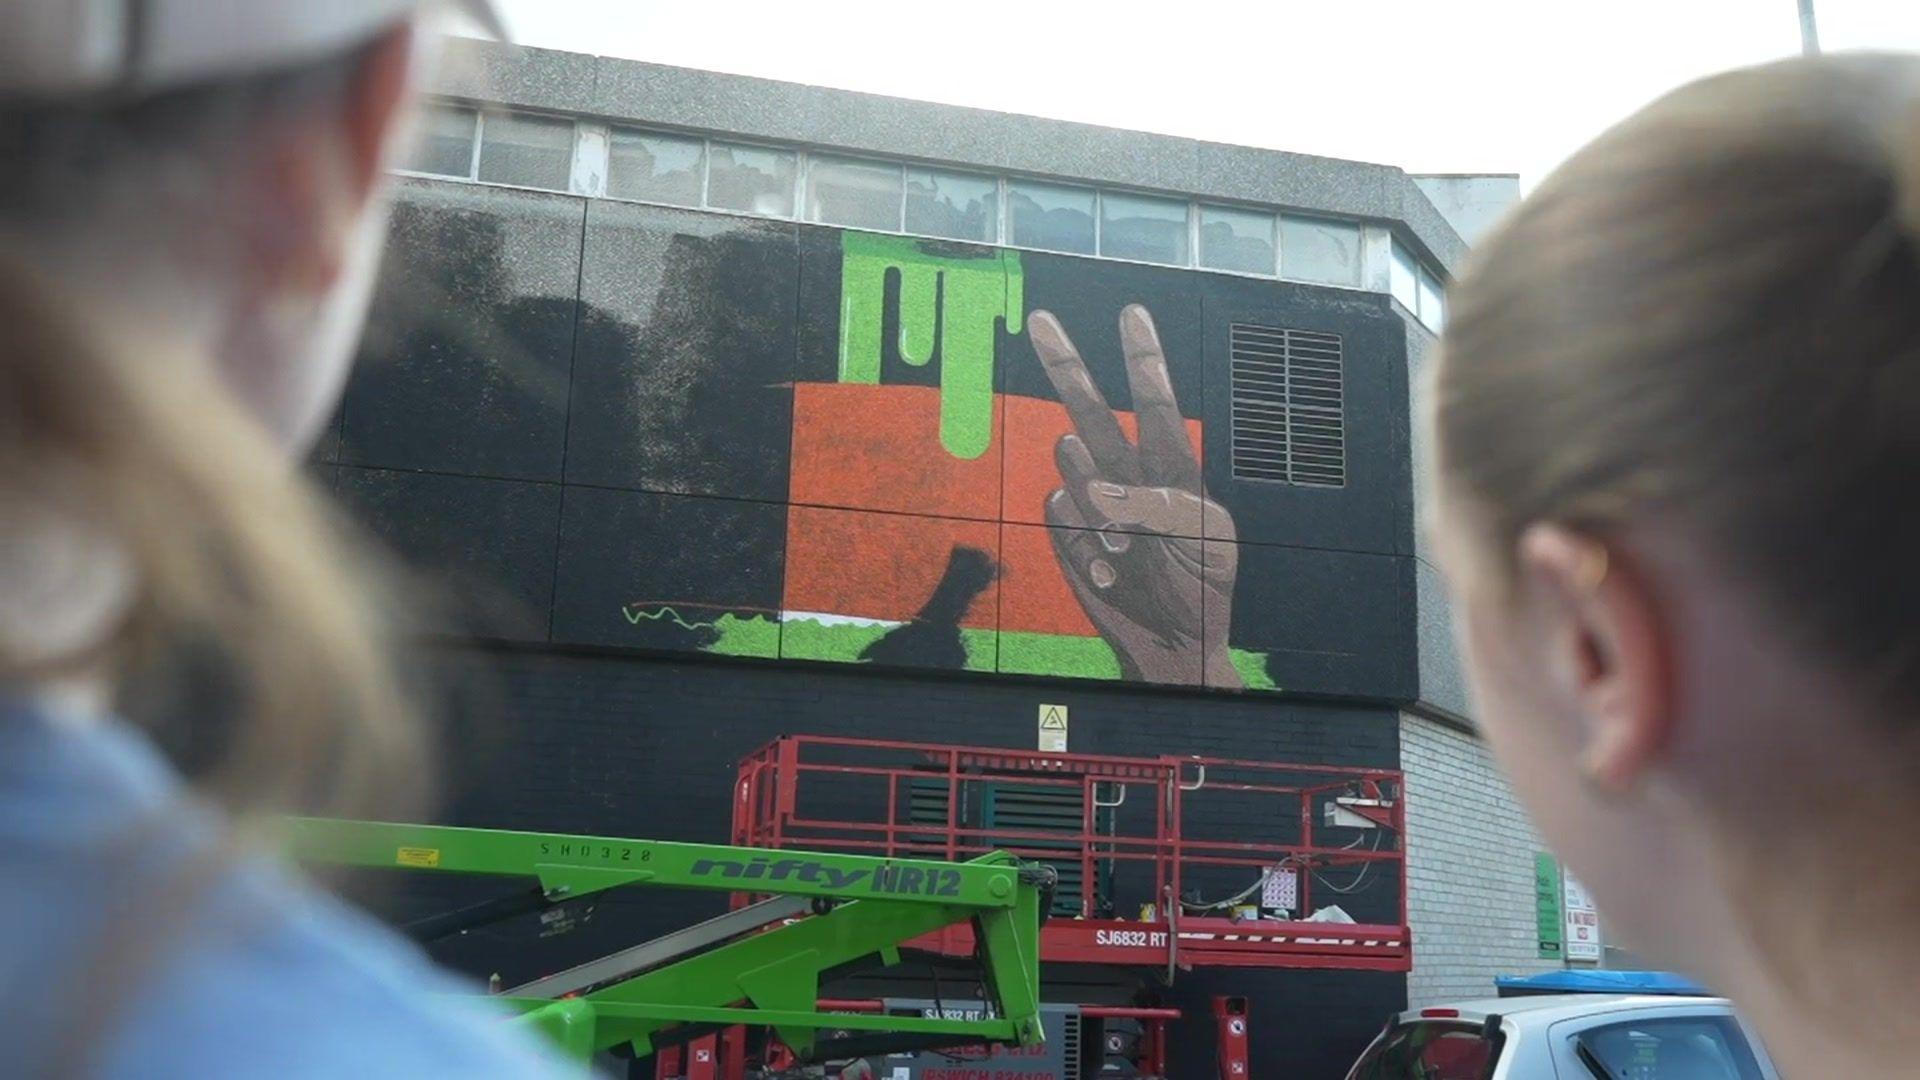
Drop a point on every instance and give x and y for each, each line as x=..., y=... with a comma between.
x=1549, y=911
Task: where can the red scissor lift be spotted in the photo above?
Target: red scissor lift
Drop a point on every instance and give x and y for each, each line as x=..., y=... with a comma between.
x=1135, y=838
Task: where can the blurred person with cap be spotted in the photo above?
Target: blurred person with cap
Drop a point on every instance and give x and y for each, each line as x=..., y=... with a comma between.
x=190, y=221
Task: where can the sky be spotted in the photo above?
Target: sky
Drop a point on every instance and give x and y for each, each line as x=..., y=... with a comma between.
x=1507, y=86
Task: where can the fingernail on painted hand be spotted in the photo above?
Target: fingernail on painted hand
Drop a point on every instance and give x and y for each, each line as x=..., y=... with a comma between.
x=1102, y=574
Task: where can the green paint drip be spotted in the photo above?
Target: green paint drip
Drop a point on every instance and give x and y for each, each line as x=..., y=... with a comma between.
x=919, y=310
x=960, y=300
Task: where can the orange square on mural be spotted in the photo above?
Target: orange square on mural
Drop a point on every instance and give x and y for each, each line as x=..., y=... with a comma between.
x=878, y=448
x=882, y=566
x=1034, y=595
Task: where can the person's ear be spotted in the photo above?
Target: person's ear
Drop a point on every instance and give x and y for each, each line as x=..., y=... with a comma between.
x=374, y=109
x=1608, y=646
x=311, y=182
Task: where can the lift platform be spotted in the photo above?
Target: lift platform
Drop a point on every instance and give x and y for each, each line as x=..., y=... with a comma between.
x=1170, y=863
x=759, y=965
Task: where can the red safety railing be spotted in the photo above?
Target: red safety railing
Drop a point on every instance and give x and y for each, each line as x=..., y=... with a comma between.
x=1188, y=821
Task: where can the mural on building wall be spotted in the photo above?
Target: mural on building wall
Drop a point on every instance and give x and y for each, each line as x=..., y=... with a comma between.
x=907, y=540
x=778, y=440
x=934, y=518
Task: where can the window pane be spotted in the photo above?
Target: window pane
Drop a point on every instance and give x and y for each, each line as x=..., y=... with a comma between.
x=956, y=205
x=753, y=179
x=1404, y=279
x=858, y=194
x=657, y=168
x=1051, y=217
x=1312, y=249
x=1456, y=1055
x=444, y=144
x=1673, y=1048
x=1433, y=301
x=1428, y=1051
x=532, y=151
x=1144, y=228
x=1232, y=239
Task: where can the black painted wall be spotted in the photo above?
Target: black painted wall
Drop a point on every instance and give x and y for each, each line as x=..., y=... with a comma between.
x=606, y=744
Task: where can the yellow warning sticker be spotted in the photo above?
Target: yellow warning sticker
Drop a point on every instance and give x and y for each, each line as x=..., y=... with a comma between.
x=417, y=856
x=1053, y=729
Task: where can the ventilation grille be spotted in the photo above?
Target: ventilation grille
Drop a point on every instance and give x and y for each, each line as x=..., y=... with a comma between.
x=1030, y=808
x=1289, y=425
x=1069, y=1036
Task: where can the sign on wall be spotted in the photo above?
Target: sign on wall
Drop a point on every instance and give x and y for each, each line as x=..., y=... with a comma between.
x=1583, y=922
x=1053, y=729
x=1549, y=916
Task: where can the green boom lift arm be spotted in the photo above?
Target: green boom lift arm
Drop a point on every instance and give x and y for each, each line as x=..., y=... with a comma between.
x=758, y=965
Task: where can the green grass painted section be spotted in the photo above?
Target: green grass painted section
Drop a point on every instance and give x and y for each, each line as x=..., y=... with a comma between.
x=842, y=643
x=1009, y=651
x=754, y=635
x=983, y=649
x=1253, y=669
x=1024, y=653
x=964, y=300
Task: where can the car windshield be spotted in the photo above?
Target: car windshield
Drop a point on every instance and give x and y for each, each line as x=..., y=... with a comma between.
x=1431, y=1051
x=1679, y=1048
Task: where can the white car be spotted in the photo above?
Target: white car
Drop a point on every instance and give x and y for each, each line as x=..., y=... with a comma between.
x=1569, y=1037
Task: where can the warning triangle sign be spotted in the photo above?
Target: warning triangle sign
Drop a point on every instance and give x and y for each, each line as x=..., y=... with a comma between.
x=1053, y=718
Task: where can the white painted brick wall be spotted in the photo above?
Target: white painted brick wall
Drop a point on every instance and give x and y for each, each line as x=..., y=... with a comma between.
x=1470, y=851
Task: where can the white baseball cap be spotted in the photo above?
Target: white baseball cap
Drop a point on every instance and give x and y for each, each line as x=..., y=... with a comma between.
x=67, y=48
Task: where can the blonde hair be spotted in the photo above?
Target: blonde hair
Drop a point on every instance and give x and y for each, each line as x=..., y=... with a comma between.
x=247, y=611
x=1712, y=314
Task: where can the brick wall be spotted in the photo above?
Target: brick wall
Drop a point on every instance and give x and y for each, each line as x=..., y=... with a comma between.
x=1470, y=851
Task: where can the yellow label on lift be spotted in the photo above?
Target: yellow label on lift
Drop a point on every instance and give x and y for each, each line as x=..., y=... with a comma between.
x=418, y=856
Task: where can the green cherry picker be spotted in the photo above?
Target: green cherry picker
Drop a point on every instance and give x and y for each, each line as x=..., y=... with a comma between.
x=758, y=965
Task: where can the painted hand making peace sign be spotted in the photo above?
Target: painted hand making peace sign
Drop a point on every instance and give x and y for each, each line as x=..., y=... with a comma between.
x=1127, y=518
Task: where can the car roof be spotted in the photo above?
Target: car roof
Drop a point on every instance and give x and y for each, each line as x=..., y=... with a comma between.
x=1547, y=1008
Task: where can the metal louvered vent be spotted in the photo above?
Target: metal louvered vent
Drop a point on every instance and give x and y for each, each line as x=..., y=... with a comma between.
x=1069, y=1036
x=1289, y=425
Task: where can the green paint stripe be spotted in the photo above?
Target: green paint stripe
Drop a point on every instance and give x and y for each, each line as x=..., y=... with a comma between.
x=1015, y=312
x=842, y=643
x=1014, y=652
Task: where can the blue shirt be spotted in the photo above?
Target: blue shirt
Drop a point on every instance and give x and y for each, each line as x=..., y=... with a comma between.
x=126, y=951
